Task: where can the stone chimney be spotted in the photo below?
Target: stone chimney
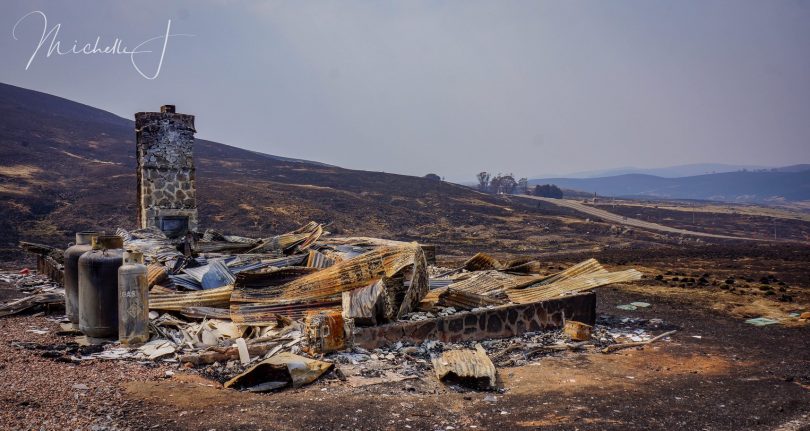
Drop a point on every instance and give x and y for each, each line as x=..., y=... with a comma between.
x=166, y=175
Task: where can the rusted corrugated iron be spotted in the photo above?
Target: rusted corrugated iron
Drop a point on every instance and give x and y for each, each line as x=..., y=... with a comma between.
x=419, y=285
x=269, y=277
x=156, y=274
x=268, y=314
x=318, y=260
x=218, y=297
x=299, y=239
x=430, y=253
x=462, y=300
x=568, y=286
x=468, y=367
x=524, y=266
x=365, y=305
x=325, y=331
x=322, y=288
x=480, y=262
x=160, y=290
x=492, y=284
x=344, y=276
x=206, y=313
x=368, y=242
x=279, y=371
x=590, y=266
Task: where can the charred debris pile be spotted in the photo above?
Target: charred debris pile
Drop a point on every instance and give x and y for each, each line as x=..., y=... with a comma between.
x=251, y=311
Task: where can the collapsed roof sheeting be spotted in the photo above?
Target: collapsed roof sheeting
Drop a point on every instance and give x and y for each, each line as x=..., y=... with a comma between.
x=322, y=289
x=568, y=286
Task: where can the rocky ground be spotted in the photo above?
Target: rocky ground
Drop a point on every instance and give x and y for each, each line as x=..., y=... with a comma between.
x=716, y=372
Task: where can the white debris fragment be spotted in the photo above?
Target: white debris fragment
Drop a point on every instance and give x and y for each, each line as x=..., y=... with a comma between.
x=244, y=355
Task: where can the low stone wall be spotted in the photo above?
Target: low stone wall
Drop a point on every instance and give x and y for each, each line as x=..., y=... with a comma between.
x=500, y=322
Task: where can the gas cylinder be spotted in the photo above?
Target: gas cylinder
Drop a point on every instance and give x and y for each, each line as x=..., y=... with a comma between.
x=71, y=281
x=133, y=300
x=98, y=287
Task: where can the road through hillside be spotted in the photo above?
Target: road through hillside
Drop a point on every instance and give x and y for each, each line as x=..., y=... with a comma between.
x=615, y=218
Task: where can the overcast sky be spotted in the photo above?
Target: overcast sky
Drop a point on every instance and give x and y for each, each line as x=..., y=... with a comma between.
x=451, y=87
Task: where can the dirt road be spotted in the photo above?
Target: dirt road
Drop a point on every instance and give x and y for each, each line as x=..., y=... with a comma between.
x=614, y=218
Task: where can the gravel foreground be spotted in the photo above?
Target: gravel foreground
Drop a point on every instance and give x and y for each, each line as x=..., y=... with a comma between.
x=734, y=376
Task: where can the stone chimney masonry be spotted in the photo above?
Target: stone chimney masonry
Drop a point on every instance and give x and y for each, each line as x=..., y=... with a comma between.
x=166, y=174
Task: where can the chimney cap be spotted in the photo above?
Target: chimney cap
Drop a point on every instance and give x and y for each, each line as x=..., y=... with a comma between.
x=167, y=109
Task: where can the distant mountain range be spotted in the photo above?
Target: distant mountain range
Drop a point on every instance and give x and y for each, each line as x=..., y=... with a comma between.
x=666, y=172
x=790, y=183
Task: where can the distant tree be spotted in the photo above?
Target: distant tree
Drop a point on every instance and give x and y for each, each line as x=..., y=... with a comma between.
x=548, y=191
x=508, y=184
x=523, y=186
x=500, y=184
x=495, y=184
x=433, y=177
x=483, y=181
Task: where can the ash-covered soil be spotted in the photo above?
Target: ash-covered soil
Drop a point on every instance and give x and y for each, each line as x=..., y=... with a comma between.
x=717, y=372
x=745, y=222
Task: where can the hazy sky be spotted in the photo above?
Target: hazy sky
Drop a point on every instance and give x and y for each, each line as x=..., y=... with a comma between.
x=451, y=87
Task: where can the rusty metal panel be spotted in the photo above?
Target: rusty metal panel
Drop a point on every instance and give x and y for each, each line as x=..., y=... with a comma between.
x=419, y=284
x=343, y=276
x=298, y=240
x=364, y=305
x=462, y=300
x=468, y=367
x=325, y=331
x=269, y=314
x=568, y=286
x=590, y=266
x=156, y=274
x=316, y=259
x=279, y=371
x=481, y=261
x=218, y=297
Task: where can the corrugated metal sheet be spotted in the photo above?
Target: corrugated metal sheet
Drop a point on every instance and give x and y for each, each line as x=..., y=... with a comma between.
x=365, y=304
x=347, y=275
x=481, y=261
x=302, y=238
x=258, y=306
x=468, y=367
x=219, y=297
x=267, y=314
x=316, y=259
x=462, y=300
x=590, y=266
x=218, y=275
x=206, y=313
x=568, y=286
x=185, y=281
x=268, y=277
